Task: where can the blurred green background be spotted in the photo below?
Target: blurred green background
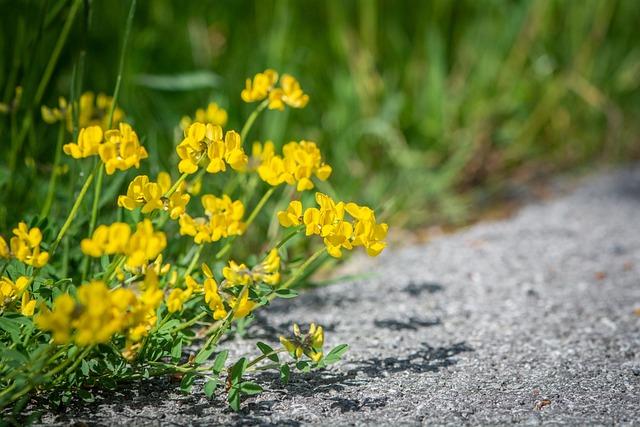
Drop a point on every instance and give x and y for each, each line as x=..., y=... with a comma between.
x=425, y=109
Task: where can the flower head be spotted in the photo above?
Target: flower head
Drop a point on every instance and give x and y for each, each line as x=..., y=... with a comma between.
x=309, y=344
x=150, y=196
x=328, y=221
x=140, y=247
x=300, y=161
x=223, y=219
x=289, y=93
x=25, y=246
x=205, y=142
x=259, y=88
x=89, y=140
x=90, y=113
x=121, y=149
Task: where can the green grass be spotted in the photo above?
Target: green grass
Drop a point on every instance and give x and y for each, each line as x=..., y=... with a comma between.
x=423, y=108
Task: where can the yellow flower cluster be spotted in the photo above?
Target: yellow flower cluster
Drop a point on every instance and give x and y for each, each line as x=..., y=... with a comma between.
x=89, y=114
x=204, y=141
x=141, y=247
x=214, y=114
x=263, y=85
x=309, y=344
x=268, y=271
x=223, y=219
x=25, y=246
x=298, y=163
x=99, y=313
x=119, y=149
x=150, y=196
x=220, y=299
x=328, y=221
x=10, y=291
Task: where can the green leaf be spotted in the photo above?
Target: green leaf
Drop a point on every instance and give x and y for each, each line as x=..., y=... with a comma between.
x=286, y=293
x=11, y=326
x=169, y=325
x=234, y=398
x=85, y=395
x=268, y=351
x=336, y=353
x=84, y=367
x=303, y=366
x=210, y=386
x=218, y=363
x=204, y=355
x=249, y=388
x=237, y=370
x=176, y=350
x=175, y=82
x=285, y=371
x=187, y=382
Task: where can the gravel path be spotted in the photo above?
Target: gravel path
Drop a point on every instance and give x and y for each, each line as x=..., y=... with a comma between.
x=524, y=321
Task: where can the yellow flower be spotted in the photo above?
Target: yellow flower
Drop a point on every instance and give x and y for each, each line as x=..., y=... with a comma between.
x=268, y=271
x=52, y=115
x=121, y=149
x=292, y=216
x=193, y=147
x=144, y=245
x=99, y=313
x=206, y=140
x=211, y=294
x=58, y=321
x=198, y=228
x=290, y=93
x=107, y=240
x=328, y=221
x=367, y=232
x=309, y=344
x=150, y=196
x=260, y=87
x=89, y=141
x=236, y=275
x=225, y=216
x=4, y=248
x=300, y=161
x=10, y=290
x=243, y=305
x=27, y=305
x=89, y=114
x=25, y=246
x=175, y=300
x=214, y=114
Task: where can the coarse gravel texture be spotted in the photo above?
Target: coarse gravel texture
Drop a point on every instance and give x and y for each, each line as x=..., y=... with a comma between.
x=526, y=320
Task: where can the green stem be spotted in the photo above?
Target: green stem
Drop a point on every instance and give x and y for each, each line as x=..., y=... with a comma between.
x=251, y=119
x=74, y=209
x=189, y=323
x=125, y=42
x=176, y=184
x=289, y=236
x=113, y=267
x=97, y=189
x=194, y=261
x=263, y=356
x=46, y=208
x=300, y=270
x=53, y=59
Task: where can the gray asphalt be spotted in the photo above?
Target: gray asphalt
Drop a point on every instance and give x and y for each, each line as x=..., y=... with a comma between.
x=527, y=320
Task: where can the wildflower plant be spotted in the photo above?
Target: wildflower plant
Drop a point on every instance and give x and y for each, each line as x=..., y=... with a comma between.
x=153, y=290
